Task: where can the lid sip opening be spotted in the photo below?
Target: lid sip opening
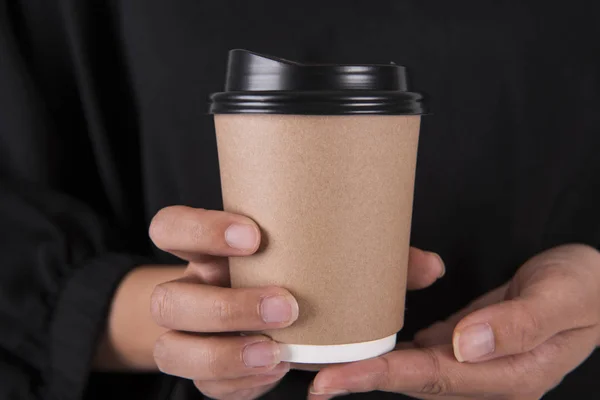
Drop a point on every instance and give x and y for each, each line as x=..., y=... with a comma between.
x=258, y=83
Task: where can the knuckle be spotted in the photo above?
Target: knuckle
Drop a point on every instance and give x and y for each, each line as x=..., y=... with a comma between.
x=527, y=327
x=552, y=350
x=161, y=305
x=226, y=312
x=382, y=379
x=529, y=376
x=214, y=363
x=199, y=231
x=203, y=229
x=437, y=383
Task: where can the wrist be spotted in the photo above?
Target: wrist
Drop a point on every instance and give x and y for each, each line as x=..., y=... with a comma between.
x=127, y=342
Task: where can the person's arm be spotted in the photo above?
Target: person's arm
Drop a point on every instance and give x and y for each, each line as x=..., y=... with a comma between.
x=128, y=340
x=57, y=278
x=65, y=238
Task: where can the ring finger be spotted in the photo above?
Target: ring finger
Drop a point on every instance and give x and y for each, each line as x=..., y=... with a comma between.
x=215, y=357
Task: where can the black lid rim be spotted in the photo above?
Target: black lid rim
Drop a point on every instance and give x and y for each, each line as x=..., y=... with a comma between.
x=319, y=103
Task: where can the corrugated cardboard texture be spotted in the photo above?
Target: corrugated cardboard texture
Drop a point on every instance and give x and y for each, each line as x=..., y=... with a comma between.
x=333, y=196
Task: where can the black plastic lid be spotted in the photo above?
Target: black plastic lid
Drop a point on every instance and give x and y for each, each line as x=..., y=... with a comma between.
x=262, y=84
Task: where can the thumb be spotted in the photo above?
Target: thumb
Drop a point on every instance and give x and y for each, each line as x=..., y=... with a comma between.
x=552, y=303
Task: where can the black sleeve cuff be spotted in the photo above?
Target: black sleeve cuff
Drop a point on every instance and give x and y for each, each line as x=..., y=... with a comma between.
x=78, y=320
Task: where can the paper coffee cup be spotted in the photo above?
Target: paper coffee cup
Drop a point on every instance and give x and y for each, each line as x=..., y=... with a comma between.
x=323, y=159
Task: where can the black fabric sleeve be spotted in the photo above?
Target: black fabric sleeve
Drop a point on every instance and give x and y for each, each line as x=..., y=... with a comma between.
x=65, y=240
x=56, y=281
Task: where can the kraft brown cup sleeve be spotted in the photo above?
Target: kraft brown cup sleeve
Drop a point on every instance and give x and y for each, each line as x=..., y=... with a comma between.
x=333, y=197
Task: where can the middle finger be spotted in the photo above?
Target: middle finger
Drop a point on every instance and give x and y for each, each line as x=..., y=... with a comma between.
x=189, y=306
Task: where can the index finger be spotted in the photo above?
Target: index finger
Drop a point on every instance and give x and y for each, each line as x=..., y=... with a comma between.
x=180, y=229
x=427, y=371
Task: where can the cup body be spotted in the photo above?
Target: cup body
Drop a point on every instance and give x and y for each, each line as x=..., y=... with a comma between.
x=333, y=197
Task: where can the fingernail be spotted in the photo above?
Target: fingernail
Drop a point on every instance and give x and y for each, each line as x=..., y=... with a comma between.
x=442, y=264
x=473, y=342
x=279, y=309
x=241, y=236
x=326, y=391
x=261, y=354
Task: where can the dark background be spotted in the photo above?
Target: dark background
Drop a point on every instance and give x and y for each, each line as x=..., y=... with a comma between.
x=508, y=161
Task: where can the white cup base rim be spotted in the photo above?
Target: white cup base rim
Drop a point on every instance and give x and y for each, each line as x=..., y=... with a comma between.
x=339, y=353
